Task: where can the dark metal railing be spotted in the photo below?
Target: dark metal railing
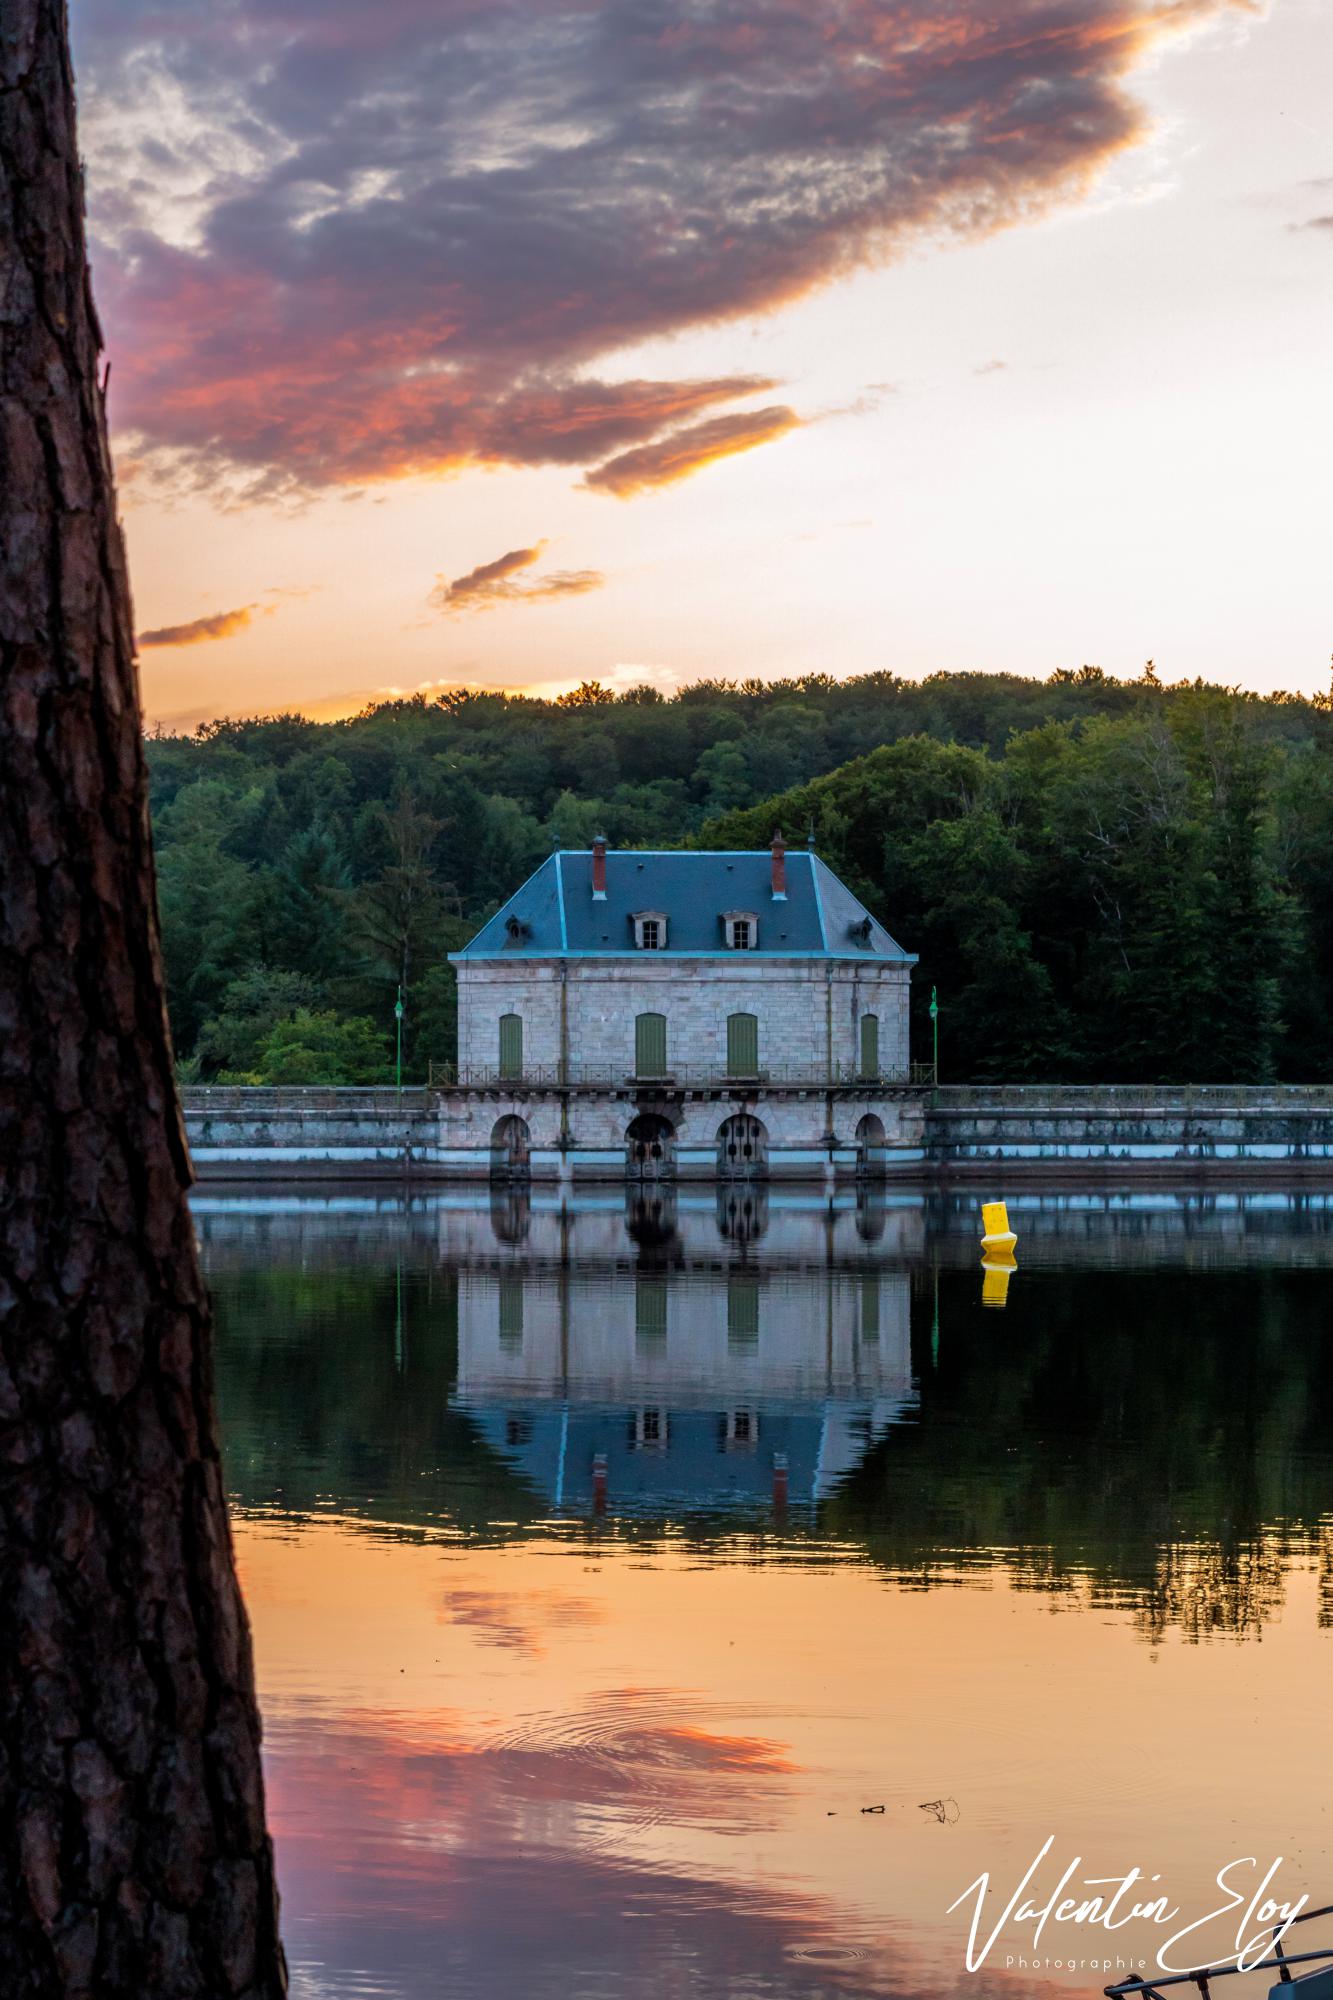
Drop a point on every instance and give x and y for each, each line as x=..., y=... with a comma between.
x=1278, y=1960
x=684, y=1076
x=271, y=1099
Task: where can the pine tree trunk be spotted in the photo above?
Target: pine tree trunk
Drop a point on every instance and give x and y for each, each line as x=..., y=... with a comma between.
x=133, y=1854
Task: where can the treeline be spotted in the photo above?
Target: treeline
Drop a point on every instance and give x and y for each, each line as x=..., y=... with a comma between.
x=1104, y=880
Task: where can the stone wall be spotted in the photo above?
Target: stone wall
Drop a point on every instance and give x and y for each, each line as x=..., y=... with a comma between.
x=1000, y=1134
x=1065, y=1130
x=809, y=1010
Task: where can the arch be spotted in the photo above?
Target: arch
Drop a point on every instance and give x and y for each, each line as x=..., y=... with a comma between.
x=650, y=1044
x=869, y=1045
x=742, y=1148
x=650, y=1147
x=742, y=1213
x=511, y=1149
x=511, y=1045
x=870, y=1142
x=742, y=1045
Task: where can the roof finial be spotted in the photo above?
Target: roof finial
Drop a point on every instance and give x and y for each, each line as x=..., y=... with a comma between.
x=810, y=837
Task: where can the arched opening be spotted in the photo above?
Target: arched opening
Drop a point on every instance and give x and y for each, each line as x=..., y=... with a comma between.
x=742, y=1045
x=650, y=1222
x=742, y=1148
x=742, y=1213
x=870, y=1146
x=870, y=1045
x=650, y=1148
x=511, y=1154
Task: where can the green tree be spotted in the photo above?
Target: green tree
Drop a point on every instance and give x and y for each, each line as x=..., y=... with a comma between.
x=319, y=1048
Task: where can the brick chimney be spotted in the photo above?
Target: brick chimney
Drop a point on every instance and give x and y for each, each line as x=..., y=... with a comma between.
x=779, y=867
x=599, y=868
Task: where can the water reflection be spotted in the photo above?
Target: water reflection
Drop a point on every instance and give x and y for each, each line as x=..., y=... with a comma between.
x=607, y=1560
x=1144, y=1433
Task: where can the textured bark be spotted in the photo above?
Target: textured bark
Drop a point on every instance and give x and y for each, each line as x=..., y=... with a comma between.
x=133, y=1853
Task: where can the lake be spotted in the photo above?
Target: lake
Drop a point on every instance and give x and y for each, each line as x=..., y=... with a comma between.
x=700, y=1595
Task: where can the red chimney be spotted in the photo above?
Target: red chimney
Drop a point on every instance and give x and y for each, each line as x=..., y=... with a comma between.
x=599, y=867
x=779, y=865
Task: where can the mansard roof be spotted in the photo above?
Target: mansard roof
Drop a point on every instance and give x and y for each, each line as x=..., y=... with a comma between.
x=555, y=914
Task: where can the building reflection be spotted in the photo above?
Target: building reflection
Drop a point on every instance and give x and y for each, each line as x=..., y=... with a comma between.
x=662, y=1359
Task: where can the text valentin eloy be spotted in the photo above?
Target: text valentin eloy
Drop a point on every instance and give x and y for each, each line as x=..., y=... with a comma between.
x=1241, y=1929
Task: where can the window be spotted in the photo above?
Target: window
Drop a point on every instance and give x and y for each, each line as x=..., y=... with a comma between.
x=740, y=930
x=650, y=929
x=648, y=1430
x=870, y=1306
x=652, y=934
x=740, y=935
x=650, y=1045
x=870, y=1045
x=742, y=1045
x=740, y=1430
x=511, y=1045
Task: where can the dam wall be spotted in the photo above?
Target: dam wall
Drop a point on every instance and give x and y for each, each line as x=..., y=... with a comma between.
x=1003, y=1134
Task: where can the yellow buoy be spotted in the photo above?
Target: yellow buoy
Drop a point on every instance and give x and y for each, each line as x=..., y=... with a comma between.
x=996, y=1272
x=996, y=1233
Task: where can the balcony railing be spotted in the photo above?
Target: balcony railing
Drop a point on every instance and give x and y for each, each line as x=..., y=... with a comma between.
x=613, y=1076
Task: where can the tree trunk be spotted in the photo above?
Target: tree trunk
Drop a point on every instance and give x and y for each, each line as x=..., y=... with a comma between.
x=133, y=1854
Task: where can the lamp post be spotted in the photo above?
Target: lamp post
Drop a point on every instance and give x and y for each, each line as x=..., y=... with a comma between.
x=935, y=1032
x=398, y=1017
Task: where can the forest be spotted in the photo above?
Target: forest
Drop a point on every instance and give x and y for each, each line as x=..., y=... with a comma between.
x=1104, y=880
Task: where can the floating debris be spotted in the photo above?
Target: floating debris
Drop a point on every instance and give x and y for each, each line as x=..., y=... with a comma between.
x=944, y=1810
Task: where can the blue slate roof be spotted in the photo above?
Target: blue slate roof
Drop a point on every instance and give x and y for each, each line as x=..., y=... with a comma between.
x=554, y=913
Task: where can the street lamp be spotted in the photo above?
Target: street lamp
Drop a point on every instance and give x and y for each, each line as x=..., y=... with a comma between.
x=398, y=1017
x=935, y=1032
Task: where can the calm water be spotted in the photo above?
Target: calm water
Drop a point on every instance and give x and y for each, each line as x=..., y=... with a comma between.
x=696, y=1600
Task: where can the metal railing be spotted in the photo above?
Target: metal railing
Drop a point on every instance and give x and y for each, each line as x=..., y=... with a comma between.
x=1276, y=1958
x=274, y=1099
x=685, y=1076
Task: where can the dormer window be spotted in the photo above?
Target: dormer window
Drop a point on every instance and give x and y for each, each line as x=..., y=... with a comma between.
x=650, y=930
x=740, y=928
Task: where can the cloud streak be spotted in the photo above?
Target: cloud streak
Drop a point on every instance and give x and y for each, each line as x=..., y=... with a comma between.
x=338, y=244
x=683, y=452
x=504, y=581
x=200, y=631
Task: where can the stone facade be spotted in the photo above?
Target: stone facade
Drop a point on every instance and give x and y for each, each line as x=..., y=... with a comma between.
x=579, y=1015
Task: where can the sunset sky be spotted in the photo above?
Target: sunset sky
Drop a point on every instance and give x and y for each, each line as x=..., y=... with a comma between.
x=518, y=342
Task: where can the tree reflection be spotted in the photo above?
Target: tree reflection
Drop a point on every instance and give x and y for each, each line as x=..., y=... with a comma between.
x=1154, y=1441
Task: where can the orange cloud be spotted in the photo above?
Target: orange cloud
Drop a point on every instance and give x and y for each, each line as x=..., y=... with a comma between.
x=495, y=583
x=221, y=625
x=684, y=452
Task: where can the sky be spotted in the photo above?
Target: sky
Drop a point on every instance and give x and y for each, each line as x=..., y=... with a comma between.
x=516, y=343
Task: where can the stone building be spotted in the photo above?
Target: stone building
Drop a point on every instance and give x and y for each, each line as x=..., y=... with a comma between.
x=682, y=1014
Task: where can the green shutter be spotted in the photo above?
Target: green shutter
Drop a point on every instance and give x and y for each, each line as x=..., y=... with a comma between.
x=511, y=1309
x=742, y=1312
x=511, y=1045
x=650, y=1045
x=742, y=1045
x=650, y=1310
x=870, y=1045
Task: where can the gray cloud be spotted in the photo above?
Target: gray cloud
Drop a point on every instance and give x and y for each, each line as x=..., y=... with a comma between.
x=339, y=243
